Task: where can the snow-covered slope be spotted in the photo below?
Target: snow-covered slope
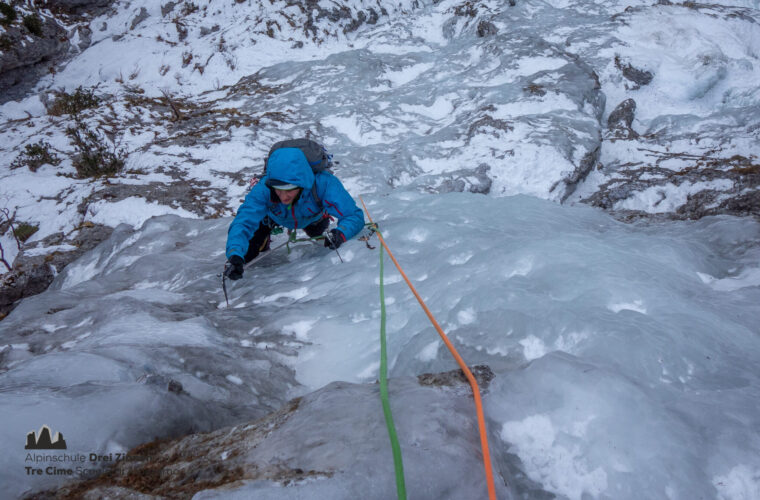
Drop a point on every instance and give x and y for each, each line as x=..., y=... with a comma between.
x=443, y=96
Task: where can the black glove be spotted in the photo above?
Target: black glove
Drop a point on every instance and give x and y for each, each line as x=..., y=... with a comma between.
x=234, y=267
x=333, y=239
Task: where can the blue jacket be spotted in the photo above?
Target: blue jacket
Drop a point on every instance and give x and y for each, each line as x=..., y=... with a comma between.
x=290, y=165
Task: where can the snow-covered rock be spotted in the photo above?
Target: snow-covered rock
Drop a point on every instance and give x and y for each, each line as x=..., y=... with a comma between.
x=326, y=444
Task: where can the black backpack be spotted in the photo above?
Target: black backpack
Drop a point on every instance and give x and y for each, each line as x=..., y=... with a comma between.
x=316, y=154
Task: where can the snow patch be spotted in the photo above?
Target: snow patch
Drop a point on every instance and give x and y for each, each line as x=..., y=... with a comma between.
x=559, y=469
x=300, y=329
x=429, y=352
x=636, y=305
x=533, y=347
x=741, y=483
x=133, y=211
x=747, y=278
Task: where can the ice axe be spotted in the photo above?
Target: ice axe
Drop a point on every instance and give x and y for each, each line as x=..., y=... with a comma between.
x=329, y=237
x=291, y=239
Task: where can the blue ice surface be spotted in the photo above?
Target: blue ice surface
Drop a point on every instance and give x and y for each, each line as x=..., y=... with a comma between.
x=625, y=355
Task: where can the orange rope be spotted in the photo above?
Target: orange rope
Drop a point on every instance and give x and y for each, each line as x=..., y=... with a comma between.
x=462, y=365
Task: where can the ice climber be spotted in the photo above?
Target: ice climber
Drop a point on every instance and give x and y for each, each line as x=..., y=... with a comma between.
x=286, y=197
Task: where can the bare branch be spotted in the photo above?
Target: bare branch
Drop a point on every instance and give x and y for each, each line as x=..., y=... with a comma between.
x=8, y=216
x=177, y=113
x=2, y=257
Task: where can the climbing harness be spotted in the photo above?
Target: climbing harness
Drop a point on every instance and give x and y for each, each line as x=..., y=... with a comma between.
x=467, y=373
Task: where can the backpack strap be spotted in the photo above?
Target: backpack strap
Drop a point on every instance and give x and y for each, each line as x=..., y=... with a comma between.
x=316, y=196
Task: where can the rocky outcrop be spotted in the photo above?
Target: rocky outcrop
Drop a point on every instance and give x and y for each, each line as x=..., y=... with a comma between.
x=467, y=180
x=29, y=47
x=34, y=42
x=738, y=176
x=637, y=76
x=198, y=197
x=486, y=28
x=620, y=120
x=32, y=274
x=316, y=437
x=92, y=7
x=318, y=21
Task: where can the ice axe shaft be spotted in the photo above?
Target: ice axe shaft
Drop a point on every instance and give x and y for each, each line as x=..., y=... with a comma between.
x=329, y=237
x=228, y=268
x=225, y=275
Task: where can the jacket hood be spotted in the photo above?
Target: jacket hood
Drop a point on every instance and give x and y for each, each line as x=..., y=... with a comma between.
x=289, y=166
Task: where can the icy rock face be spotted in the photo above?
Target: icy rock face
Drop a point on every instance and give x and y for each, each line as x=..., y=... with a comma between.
x=296, y=22
x=620, y=120
x=33, y=273
x=506, y=113
x=153, y=351
x=623, y=355
x=441, y=97
x=78, y=6
x=641, y=109
x=26, y=55
x=331, y=443
x=687, y=146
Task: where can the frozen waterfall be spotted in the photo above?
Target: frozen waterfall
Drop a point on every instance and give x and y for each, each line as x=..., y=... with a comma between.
x=625, y=356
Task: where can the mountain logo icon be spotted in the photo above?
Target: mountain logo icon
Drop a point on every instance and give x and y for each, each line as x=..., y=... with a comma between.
x=43, y=441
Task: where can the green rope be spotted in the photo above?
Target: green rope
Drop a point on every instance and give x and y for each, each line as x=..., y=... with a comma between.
x=397, y=462
x=293, y=239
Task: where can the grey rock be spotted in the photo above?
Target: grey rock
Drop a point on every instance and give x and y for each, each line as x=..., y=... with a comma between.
x=474, y=180
x=193, y=198
x=207, y=31
x=91, y=7
x=293, y=445
x=140, y=17
x=29, y=56
x=486, y=28
x=33, y=274
x=578, y=139
x=637, y=76
x=361, y=18
x=344, y=18
x=85, y=37
x=741, y=199
x=584, y=167
x=167, y=8
x=486, y=122
x=620, y=120
x=175, y=387
x=482, y=373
